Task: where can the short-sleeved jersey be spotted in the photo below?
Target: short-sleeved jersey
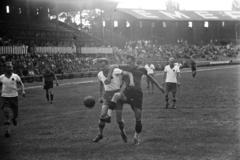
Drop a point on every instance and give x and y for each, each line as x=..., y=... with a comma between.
x=171, y=73
x=49, y=76
x=9, y=87
x=193, y=63
x=150, y=69
x=137, y=72
x=115, y=81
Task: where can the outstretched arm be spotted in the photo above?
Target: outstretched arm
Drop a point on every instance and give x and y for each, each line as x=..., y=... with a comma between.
x=152, y=79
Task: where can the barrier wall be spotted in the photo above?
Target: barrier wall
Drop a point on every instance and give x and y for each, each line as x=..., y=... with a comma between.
x=53, y=50
x=13, y=49
x=30, y=79
x=96, y=50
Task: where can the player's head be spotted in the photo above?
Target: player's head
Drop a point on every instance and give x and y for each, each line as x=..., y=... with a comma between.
x=47, y=69
x=103, y=63
x=171, y=61
x=8, y=67
x=130, y=60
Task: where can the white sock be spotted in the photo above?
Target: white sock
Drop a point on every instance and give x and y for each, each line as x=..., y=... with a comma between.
x=136, y=135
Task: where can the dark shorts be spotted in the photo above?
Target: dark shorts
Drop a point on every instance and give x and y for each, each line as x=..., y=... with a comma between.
x=10, y=102
x=134, y=97
x=107, y=97
x=193, y=68
x=171, y=87
x=48, y=85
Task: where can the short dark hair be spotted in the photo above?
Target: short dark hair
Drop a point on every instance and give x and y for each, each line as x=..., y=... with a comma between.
x=131, y=56
x=103, y=60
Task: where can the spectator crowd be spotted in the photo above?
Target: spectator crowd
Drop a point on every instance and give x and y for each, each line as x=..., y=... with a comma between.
x=35, y=64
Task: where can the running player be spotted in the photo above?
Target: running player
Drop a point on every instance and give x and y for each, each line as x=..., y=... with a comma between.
x=171, y=80
x=48, y=78
x=150, y=71
x=132, y=95
x=193, y=66
x=9, y=96
x=109, y=90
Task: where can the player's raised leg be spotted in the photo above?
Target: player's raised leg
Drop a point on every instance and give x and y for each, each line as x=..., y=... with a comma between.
x=120, y=121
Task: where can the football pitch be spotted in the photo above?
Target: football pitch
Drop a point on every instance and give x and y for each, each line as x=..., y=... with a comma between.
x=205, y=125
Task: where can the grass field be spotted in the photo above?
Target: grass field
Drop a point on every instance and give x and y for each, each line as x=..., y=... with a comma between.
x=205, y=125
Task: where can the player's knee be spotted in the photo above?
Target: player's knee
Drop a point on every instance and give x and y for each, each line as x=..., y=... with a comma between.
x=174, y=100
x=138, y=127
x=121, y=124
x=6, y=112
x=166, y=97
x=101, y=124
x=117, y=96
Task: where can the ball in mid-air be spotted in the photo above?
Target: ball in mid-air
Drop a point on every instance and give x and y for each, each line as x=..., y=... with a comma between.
x=89, y=102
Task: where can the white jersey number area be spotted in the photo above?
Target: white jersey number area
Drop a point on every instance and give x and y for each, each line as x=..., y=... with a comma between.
x=115, y=82
x=171, y=73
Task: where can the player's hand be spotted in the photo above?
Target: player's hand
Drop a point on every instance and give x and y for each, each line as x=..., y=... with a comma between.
x=178, y=84
x=23, y=94
x=57, y=84
x=131, y=84
x=100, y=100
x=161, y=89
x=107, y=81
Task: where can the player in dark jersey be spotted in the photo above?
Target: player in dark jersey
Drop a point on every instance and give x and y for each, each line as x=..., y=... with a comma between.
x=193, y=66
x=48, y=78
x=132, y=95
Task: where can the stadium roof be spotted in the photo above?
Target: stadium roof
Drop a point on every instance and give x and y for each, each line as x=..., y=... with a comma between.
x=181, y=15
x=70, y=5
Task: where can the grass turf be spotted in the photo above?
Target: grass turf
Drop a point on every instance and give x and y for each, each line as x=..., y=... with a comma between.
x=204, y=126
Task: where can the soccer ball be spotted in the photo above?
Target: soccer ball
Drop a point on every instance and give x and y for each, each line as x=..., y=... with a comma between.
x=89, y=102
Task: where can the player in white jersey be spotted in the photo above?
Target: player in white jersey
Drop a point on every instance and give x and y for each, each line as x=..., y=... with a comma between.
x=109, y=90
x=171, y=79
x=150, y=71
x=9, y=96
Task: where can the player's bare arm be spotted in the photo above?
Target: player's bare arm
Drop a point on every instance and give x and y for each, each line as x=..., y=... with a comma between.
x=129, y=74
x=178, y=78
x=164, y=77
x=23, y=88
x=101, y=90
x=155, y=82
x=56, y=79
x=111, y=68
x=43, y=81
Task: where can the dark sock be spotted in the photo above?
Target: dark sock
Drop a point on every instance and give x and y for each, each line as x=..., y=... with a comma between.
x=47, y=96
x=51, y=97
